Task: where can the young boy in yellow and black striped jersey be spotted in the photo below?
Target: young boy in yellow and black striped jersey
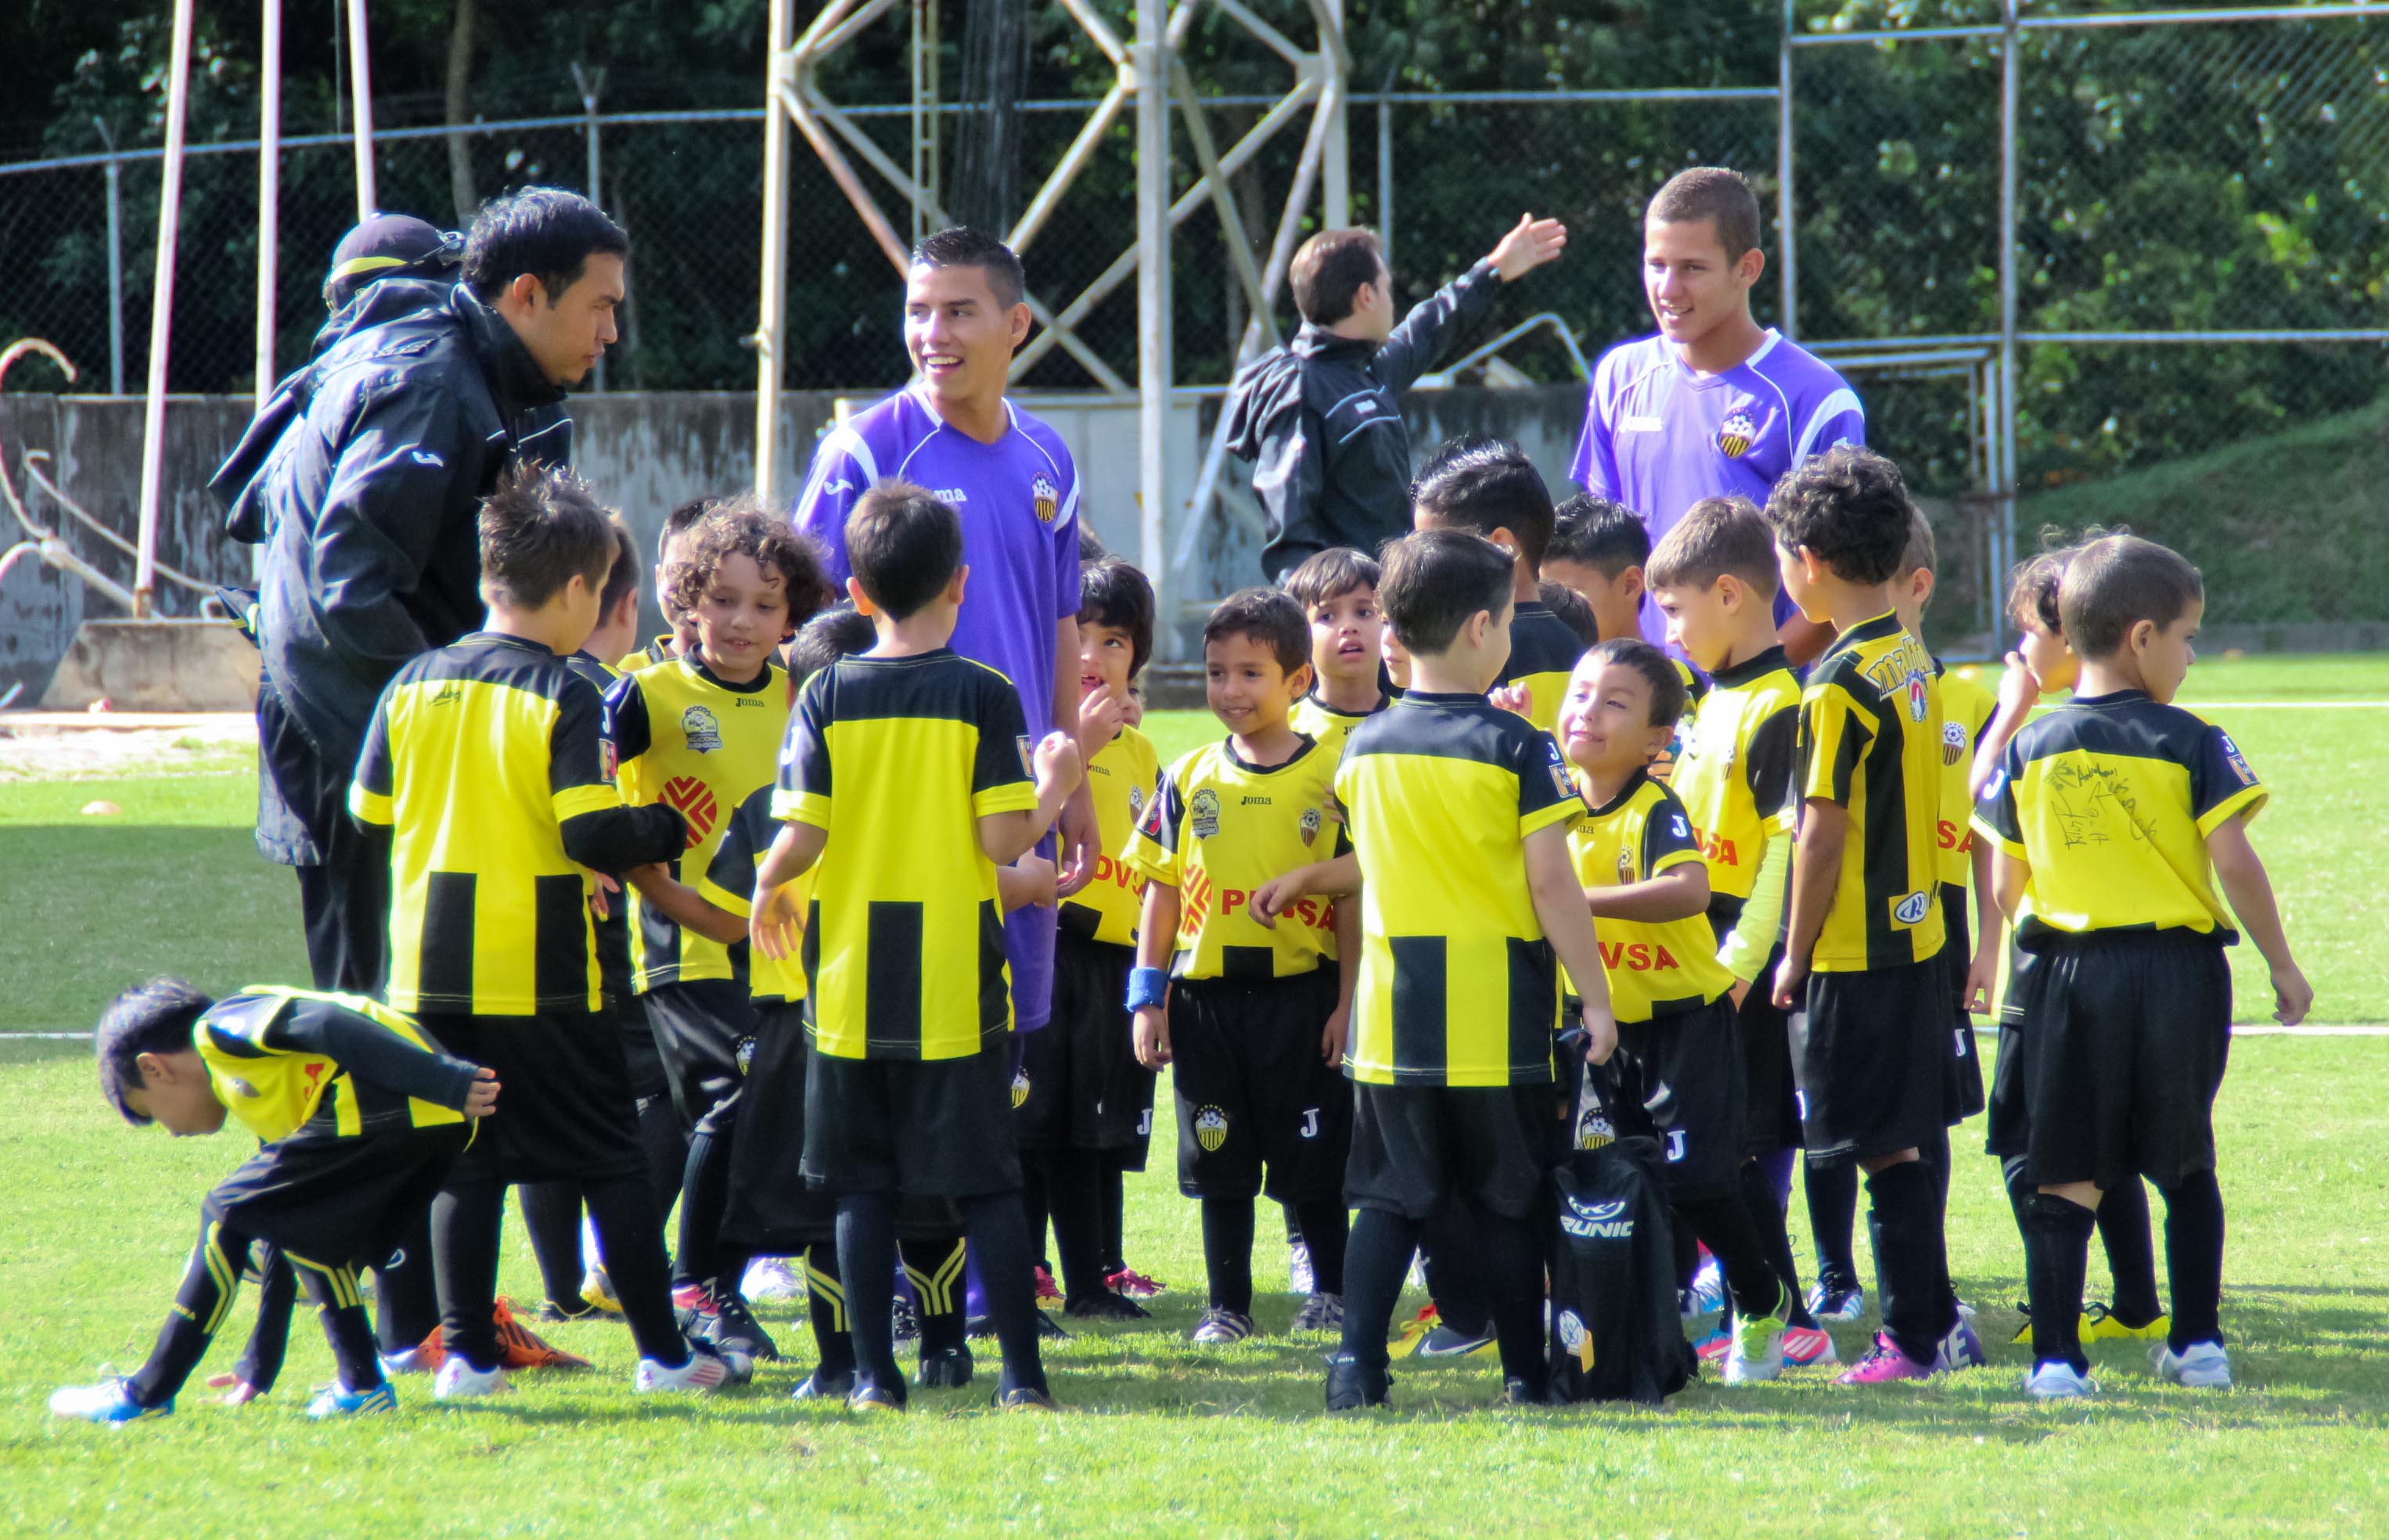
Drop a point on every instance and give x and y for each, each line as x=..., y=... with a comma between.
x=1338, y=590
x=671, y=545
x=701, y=734
x=1251, y=1015
x=359, y=1117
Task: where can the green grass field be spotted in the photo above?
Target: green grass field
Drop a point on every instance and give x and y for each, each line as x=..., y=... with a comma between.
x=1160, y=1437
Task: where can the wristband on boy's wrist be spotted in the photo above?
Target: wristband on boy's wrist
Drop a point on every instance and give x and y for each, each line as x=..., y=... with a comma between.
x=1147, y=986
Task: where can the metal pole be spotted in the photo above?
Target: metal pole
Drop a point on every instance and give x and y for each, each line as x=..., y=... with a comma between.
x=925, y=107
x=1385, y=181
x=361, y=98
x=161, y=313
x=590, y=84
x=1152, y=371
x=2004, y=487
x=1784, y=203
x=779, y=81
x=1337, y=183
x=115, y=264
x=269, y=191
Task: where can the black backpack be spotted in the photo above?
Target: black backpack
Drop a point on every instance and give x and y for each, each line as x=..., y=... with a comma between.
x=1615, y=1333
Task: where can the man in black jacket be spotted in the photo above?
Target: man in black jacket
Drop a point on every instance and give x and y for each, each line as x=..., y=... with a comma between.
x=1322, y=419
x=363, y=476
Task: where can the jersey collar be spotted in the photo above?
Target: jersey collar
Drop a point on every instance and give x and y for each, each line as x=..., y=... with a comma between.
x=1885, y=624
x=1741, y=673
x=2111, y=699
x=1633, y=784
x=1228, y=747
x=753, y=686
x=1313, y=696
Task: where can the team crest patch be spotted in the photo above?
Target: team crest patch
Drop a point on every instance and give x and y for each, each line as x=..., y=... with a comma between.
x=1211, y=1128
x=240, y=1086
x=2239, y=765
x=1912, y=909
x=1919, y=695
x=1625, y=867
x=1046, y=496
x=1309, y=825
x=745, y=1054
x=1019, y=1090
x=693, y=799
x=1953, y=742
x=1027, y=759
x=1135, y=803
x=609, y=760
x=702, y=729
x=1735, y=433
x=1595, y=1130
x=1206, y=812
x=1574, y=1339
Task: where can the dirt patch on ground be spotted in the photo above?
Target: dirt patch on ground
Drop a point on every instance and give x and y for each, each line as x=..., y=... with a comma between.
x=50, y=746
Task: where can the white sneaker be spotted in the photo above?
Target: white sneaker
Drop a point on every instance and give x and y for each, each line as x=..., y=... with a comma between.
x=459, y=1381
x=2206, y=1366
x=771, y=1280
x=413, y=1361
x=703, y=1372
x=2058, y=1381
x=1757, y=1354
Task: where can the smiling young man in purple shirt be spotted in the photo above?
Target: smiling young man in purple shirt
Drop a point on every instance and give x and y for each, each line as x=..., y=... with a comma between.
x=1713, y=403
x=1014, y=483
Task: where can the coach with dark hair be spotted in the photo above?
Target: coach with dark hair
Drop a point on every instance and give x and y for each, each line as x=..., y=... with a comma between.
x=363, y=478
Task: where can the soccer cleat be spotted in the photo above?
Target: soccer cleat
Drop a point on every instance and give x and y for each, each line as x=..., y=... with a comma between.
x=1219, y=1325
x=552, y=1314
x=1884, y=1365
x=598, y=1289
x=1106, y=1306
x=1319, y=1313
x=2058, y=1381
x=337, y=1400
x=111, y=1400
x=1300, y=1278
x=1450, y=1342
x=1757, y=1355
x=947, y=1368
x=414, y=1360
x=1132, y=1284
x=1021, y=1398
x=818, y=1386
x=2202, y=1366
x=459, y=1381
x=1808, y=1347
x=2099, y=1325
x=520, y=1347
x=1708, y=1287
x=1516, y=1393
x=868, y=1397
x=770, y=1280
x=1351, y=1386
x=1713, y=1345
x=706, y=1370
x=1837, y=1304
x=733, y=1329
x=1961, y=1349
x=1046, y=1288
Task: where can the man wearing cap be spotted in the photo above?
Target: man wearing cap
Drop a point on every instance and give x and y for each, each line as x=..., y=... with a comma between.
x=363, y=476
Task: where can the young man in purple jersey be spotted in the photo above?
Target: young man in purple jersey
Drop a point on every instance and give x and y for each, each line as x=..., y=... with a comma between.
x=1713, y=405
x=1012, y=481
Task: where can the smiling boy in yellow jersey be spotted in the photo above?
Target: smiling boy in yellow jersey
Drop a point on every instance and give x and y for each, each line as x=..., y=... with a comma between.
x=1648, y=889
x=1338, y=590
x=1251, y=1013
x=1863, y=935
x=701, y=734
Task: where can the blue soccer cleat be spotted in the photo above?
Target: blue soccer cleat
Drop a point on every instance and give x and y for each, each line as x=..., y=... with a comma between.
x=111, y=1400
x=338, y=1400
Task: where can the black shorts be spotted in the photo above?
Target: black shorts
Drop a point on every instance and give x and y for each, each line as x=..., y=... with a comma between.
x=1253, y=1092
x=339, y=1201
x=704, y=1030
x=1872, y=1052
x=1688, y=1070
x=564, y=1097
x=1963, y=1090
x=2123, y=1049
x=1770, y=1103
x=928, y=1127
x=1084, y=1088
x=2009, y=1129
x=646, y=1065
x=1416, y=1148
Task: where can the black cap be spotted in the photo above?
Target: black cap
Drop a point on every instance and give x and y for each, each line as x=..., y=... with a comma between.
x=389, y=246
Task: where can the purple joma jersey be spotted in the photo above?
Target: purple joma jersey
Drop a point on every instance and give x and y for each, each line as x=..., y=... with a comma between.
x=1019, y=499
x=1659, y=436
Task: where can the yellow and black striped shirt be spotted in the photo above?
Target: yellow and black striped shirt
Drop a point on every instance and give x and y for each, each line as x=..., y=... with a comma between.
x=1313, y=718
x=663, y=649
x=897, y=759
x=2110, y=800
x=613, y=929
x=1218, y=828
x=1966, y=709
x=684, y=737
x=1655, y=968
x=1871, y=741
x=484, y=761
x=1121, y=778
x=1543, y=653
x=304, y=1064
x=1458, y=985
x=1735, y=776
x=728, y=884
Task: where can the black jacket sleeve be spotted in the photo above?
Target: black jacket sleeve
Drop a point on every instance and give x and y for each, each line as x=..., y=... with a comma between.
x=1434, y=324
x=1287, y=478
x=372, y=1052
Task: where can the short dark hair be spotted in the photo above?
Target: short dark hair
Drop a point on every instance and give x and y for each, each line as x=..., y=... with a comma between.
x=1668, y=693
x=624, y=576
x=1591, y=529
x=540, y=528
x=677, y=522
x=822, y=641
x=904, y=546
x=1436, y=579
x=1848, y=508
x=546, y=231
x=1091, y=545
x=1482, y=483
x=1919, y=551
x=1329, y=269
x=1711, y=193
x=963, y=246
x=1269, y=617
x=1112, y=592
x=2034, y=585
x=2115, y=583
x=156, y=1017
x=739, y=526
x=1573, y=609
x=1331, y=574
x=1716, y=536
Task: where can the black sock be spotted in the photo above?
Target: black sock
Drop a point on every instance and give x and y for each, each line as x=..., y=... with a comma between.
x=2131, y=1253
x=936, y=1269
x=704, y=1198
x=1832, y=1218
x=1774, y=1239
x=1073, y=1195
x=1374, y=1265
x=209, y=1282
x=1292, y=1215
x=1326, y=1228
x=1456, y=1273
x=1722, y=1222
x=825, y=1305
x=406, y=1290
x=1001, y=1241
x=2195, y=1259
x=1113, y=1195
x=1228, y=1252
x=666, y=1149
x=1904, y=1221
x=866, y=1260
x=551, y=1213
x=1512, y=1254
x=466, y=1219
x=1036, y=1202
x=2056, y=1253
x=1937, y=1156
x=346, y=1325
x=630, y=1242
x=269, y=1340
